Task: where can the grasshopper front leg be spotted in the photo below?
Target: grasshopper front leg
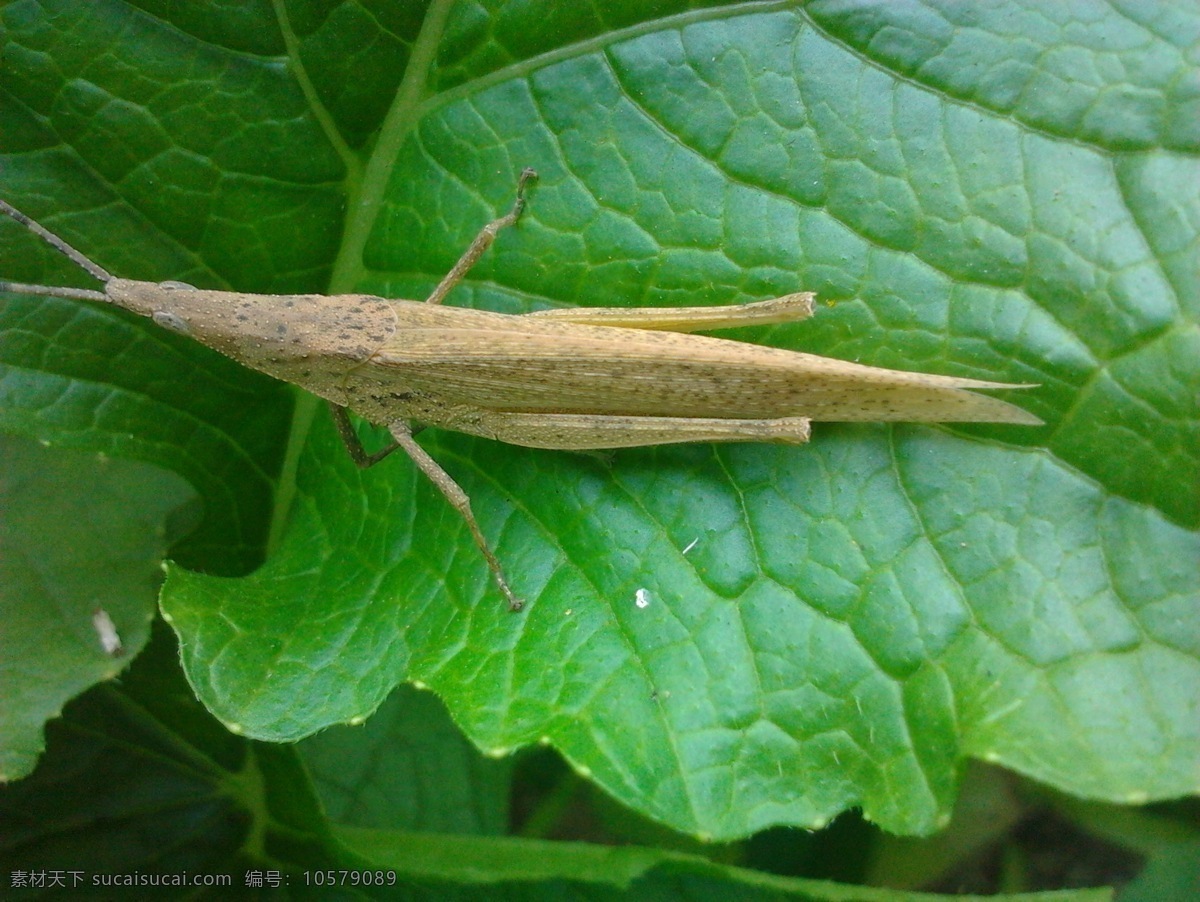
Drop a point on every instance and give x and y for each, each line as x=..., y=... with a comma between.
x=458, y=499
x=354, y=445
x=402, y=433
x=482, y=241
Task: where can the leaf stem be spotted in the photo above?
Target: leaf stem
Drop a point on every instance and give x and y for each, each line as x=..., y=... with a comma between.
x=365, y=198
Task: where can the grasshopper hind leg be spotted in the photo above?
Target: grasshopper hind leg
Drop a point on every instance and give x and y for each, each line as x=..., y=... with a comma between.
x=592, y=432
x=787, y=309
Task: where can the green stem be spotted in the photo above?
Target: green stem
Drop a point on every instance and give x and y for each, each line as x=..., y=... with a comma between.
x=364, y=199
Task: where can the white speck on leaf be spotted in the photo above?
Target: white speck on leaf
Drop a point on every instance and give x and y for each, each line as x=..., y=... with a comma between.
x=110, y=640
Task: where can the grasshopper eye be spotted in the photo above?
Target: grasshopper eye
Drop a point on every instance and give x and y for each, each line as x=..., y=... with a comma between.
x=172, y=321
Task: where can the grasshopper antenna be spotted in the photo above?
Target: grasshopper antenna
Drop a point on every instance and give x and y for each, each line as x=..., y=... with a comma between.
x=87, y=265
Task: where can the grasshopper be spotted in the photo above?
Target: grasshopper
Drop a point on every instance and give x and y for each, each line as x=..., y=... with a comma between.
x=605, y=377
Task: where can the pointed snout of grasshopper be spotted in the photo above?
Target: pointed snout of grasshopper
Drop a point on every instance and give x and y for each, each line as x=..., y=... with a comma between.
x=306, y=339
x=153, y=299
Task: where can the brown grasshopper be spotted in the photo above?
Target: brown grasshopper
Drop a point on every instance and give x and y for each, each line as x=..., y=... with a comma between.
x=605, y=377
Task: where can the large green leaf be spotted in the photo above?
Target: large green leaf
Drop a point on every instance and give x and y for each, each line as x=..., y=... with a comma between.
x=408, y=768
x=182, y=802
x=83, y=540
x=1008, y=193
x=138, y=780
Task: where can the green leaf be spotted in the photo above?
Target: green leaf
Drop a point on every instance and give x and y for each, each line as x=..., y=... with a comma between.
x=180, y=799
x=83, y=540
x=139, y=780
x=408, y=768
x=1005, y=193
x=449, y=865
